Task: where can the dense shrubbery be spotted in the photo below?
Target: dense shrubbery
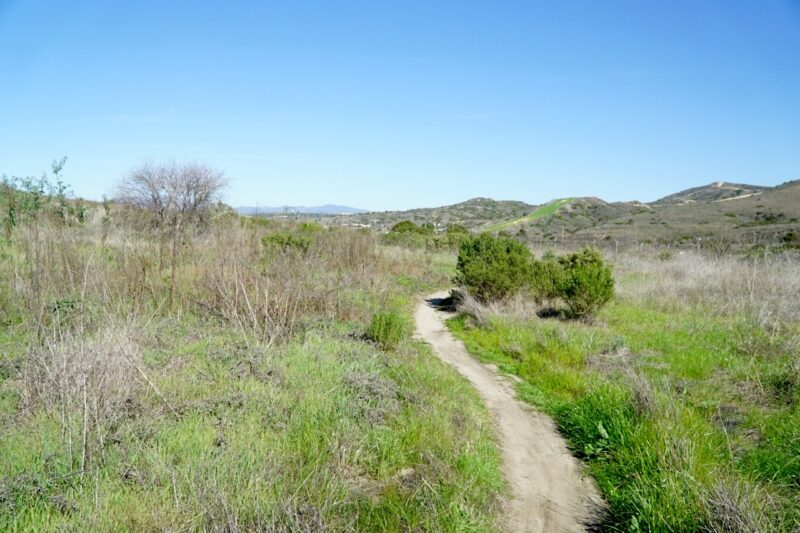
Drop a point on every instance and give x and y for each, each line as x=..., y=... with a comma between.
x=406, y=226
x=457, y=229
x=493, y=268
x=546, y=278
x=411, y=235
x=285, y=241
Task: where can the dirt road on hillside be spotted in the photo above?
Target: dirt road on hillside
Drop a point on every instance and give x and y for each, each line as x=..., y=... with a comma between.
x=549, y=491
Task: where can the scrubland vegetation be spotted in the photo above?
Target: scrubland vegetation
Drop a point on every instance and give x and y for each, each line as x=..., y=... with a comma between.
x=169, y=365
x=682, y=394
x=495, y=268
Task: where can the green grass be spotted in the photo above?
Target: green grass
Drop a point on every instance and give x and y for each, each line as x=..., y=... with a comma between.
x=324, y=430
x=389, y=328
x=670, y=411
x=549, y=209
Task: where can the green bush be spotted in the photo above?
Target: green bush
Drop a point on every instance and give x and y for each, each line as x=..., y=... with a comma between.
x=409, y=235
x=285, y=241
x=456, y=229
x=546, y=278
x=311, y=228
x=587, y=283
x=492, y=268
x=389, y=328
x=406, y=226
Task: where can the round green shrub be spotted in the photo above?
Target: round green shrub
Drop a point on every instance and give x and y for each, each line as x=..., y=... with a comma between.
x=587, y=283
x=406, y=226
x=546, y=278
x=285, y=241
x=492, y=268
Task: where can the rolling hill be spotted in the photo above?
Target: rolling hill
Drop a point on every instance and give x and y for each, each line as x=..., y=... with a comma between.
x=719, y=191
x=718, y=211
x=473, y=213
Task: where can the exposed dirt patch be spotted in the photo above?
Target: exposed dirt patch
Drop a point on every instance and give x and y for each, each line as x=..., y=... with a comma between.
x=549, y=489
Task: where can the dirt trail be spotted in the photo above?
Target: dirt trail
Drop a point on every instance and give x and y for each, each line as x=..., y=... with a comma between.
x=549, y=491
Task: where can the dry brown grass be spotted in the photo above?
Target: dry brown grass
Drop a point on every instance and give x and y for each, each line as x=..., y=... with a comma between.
x=223, y=271
x=736, y=506
x=86, y=382
x=766, y=289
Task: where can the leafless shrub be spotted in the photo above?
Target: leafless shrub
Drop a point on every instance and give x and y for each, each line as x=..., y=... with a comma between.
x=270, y=292
x=735, y=506
x=175, y=194
x=375, y=397
x=177, y=197
x=466, y=304
x=86, y=382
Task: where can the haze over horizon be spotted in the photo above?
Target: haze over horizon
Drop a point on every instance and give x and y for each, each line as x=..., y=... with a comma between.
x=400, y=105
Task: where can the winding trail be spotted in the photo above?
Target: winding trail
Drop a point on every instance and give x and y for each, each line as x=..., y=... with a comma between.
x=550, y=493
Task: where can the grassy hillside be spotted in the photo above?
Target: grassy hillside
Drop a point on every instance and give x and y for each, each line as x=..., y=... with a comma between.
x=259, y=374
x=751, y=220
x=546, y=210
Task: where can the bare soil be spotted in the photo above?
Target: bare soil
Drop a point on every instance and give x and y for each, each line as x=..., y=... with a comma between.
x=549, y=490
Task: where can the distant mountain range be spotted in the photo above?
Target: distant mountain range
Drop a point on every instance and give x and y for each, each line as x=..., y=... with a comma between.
x=327, y=209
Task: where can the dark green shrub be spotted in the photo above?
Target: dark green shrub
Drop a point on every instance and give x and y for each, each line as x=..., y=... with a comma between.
x=457, y=229
x=410, y=235
x=492, y=268
x=427, y=228
x=286, y=241
x=389, y=328
x=546, y=278
x=406, y=226
x=587, y=283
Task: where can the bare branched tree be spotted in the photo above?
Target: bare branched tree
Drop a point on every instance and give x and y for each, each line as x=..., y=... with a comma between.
x=178, y=195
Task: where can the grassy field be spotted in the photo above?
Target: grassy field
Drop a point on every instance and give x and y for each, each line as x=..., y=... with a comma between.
x=682, y=396
x=235, y=392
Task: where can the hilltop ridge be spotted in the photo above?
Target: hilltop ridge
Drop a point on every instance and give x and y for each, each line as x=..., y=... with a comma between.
x=713, y=211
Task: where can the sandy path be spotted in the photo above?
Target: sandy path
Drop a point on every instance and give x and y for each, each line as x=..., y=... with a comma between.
x=549, y=491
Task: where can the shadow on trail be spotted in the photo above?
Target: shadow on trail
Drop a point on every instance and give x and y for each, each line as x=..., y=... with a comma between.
x=442, y=304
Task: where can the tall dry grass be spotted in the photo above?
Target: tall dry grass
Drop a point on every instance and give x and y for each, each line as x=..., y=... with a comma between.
x=269, y=292
x=224, y=271
x=765, y=289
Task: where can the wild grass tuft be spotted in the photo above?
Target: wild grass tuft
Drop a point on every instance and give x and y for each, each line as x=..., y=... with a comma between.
x=389, y=328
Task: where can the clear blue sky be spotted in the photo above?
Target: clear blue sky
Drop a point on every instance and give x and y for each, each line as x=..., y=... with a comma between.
x=386, y=105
